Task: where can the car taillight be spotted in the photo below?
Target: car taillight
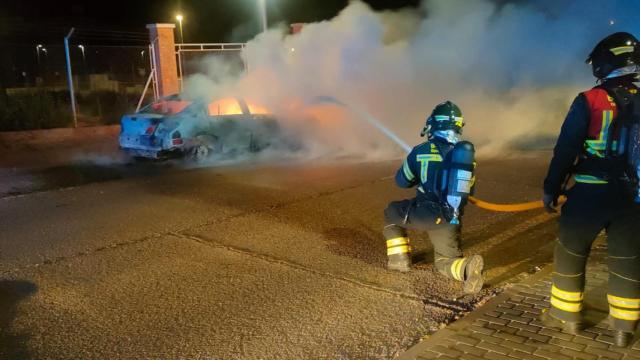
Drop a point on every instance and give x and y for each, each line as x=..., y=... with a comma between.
x=176, y=138
x=150, y=130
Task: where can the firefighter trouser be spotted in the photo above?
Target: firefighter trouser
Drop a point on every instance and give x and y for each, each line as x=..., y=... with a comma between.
x=425, y=216
x=590, y=208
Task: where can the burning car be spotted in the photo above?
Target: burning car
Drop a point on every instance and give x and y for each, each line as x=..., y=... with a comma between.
x=174, y=127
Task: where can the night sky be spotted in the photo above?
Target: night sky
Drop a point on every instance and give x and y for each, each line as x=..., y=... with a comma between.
x=25, y=22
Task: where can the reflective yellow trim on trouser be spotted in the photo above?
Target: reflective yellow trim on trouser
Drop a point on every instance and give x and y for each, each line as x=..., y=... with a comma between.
x=457, y=271
x=404, y=249
x=397, y=241
x=624, y=314
x=566, y=295
x=628, y=303
x=567, y=306
x=399, y=245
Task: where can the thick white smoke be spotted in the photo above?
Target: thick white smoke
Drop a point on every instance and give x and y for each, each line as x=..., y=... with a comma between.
x=513, y=69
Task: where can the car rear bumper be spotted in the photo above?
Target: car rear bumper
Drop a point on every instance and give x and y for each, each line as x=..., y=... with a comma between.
x=144, y=153
x=140, y=146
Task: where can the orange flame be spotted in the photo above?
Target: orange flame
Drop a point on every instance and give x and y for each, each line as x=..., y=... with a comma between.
x=257, y=109
x=231, y=106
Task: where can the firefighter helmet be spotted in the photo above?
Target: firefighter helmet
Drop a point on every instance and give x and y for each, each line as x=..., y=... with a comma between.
x=445, y=116
x=616, y=55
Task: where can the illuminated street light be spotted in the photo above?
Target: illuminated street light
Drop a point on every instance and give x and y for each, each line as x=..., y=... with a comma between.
x=38, y=47
x=179, y=17
x=81, y=47
x=612, y=22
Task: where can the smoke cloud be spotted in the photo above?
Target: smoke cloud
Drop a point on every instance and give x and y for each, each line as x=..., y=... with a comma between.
x=513, y=68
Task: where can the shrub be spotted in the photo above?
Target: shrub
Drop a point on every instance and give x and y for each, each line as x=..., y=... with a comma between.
x=38, y=110
x=52, y=109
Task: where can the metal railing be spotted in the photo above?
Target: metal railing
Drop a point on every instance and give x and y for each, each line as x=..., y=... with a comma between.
x=180, y=49
x=204, y=47
x=210, y=47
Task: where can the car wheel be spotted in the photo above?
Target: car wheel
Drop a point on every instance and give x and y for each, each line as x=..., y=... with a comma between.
x=204, y=147
x=256, y=144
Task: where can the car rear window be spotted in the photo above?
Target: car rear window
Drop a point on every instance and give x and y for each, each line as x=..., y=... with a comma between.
x=167, y=107
x=226, y=106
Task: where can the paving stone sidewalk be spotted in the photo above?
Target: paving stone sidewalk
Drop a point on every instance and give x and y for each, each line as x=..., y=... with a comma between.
x=507, y=326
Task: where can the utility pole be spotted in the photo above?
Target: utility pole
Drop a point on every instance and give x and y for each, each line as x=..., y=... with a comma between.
x=262, y=8
x=70, y=78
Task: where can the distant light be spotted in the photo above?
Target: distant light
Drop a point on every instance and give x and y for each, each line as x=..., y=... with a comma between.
x=39, y=46
x=293, y=49
x=612, y=22
x=43, y=49
x=179, y=17
x=628, y=42
x=81, y=47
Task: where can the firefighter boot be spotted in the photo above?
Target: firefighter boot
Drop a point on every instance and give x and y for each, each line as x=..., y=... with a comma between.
x=473, y=279
x=569, y=327
x=622, y=338
x=399, y=262
x=465, y=269
x=398, y=248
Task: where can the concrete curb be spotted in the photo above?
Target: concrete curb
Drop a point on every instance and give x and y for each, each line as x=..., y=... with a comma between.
x=415, y=351
x=507, y=327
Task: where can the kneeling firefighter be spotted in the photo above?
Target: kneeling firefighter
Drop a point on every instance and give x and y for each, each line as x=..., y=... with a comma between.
x=442, y=169
x=598, y=145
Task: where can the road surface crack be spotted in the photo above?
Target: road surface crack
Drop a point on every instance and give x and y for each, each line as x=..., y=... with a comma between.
x=431, y=300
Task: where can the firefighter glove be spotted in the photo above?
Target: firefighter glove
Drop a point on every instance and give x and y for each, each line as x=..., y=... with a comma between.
x=550, y=203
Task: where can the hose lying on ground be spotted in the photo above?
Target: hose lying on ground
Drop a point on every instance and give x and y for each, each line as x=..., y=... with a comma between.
x=510, y=207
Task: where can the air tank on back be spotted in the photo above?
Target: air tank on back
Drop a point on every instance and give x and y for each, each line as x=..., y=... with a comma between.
x=459, y=178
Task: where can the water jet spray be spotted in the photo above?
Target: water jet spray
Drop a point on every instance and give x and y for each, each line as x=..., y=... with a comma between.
x=397, y=140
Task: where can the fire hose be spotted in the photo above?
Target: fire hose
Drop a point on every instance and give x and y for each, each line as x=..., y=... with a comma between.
x=532, y=205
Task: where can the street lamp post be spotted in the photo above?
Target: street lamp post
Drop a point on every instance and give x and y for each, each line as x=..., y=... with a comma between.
x=179, y=17
x=262, y=4
x=70, y=78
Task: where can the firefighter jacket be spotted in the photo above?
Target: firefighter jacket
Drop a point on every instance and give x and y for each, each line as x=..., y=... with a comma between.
x=589, y=138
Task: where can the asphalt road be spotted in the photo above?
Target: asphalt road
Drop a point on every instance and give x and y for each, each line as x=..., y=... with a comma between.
x=238, y=262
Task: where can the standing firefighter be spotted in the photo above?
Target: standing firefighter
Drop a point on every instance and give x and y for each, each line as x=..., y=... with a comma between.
x=442, y=169
x=598, y=145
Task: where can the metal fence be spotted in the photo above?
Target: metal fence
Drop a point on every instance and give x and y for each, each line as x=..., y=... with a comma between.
x=110, y=77
x=109, y=74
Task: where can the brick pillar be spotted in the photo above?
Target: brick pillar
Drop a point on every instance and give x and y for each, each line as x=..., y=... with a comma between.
x=162, y=38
